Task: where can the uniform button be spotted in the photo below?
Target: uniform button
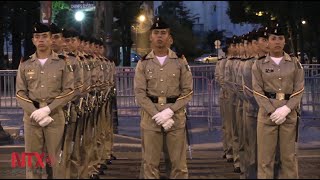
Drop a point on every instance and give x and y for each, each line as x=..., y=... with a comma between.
x=161, y=104
x=278, y=69
x=41, y=72
x=173, y=74
x=280, y=78
x=150, y=76
x=43, y=99
x=162, y=92
x=279, y=89
x=42, y=86
x=161, y=69
x=161, y=80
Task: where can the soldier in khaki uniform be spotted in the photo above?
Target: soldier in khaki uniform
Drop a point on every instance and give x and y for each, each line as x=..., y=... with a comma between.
x=278, y=84
x=44, y=85
x=163, y=86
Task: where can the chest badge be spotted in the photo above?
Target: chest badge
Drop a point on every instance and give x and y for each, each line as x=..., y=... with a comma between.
x=269, y=70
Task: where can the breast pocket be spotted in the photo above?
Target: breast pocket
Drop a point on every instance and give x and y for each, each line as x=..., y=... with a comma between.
x=151, y=78
x=55, y=78
x=173, y=78
x=31, y=77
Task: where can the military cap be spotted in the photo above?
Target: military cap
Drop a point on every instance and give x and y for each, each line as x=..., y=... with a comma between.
x=278, y=30
x=159, y=24
x=261, y=32
x=54, y=29
x=73, y=32
x=66, y=33
x=235, y=39
x=81, y=38
x=40, y=28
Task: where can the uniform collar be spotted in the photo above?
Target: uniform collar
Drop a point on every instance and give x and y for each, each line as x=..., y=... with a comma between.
x=171, y=55
x=286, y=57
x=53, y=56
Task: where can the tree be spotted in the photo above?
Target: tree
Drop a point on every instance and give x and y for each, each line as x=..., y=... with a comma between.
x=180, y=21
x=289, y=12
x=126, y=12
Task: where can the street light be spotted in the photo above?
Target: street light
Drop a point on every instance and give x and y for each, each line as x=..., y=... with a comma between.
x=304, y=22
x=79, y=16
x=142, y=18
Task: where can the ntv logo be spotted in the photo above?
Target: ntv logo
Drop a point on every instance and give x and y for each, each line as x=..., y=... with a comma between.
x=20, y=160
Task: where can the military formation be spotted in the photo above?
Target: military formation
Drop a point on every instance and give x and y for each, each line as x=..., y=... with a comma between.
x=66, y=89
x=260, y=95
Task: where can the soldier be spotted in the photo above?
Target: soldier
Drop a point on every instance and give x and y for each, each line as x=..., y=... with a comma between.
x=259, y=49
x=163, y=86
x=278, y=85
x=44, y=85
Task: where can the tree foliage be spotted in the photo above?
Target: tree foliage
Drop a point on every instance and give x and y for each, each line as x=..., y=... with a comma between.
x=180, y=21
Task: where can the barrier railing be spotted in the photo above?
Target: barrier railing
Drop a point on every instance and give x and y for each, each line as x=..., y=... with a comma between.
x=204, y=104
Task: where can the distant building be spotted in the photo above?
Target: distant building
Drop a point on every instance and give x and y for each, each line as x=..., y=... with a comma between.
x=212, y=15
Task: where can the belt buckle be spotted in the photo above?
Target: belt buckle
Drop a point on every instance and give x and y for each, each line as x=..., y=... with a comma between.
x=280, y=96
x=162, y=100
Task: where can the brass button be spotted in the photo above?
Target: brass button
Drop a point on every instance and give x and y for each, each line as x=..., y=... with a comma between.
x=150, y=76
x=280, y=78
x=278, y=69
x=161, y=80
x=42, y=86
x=41, y=72
x=161, y=104
x=162, y=92
x=161, y=69
x=43, y=99
x=279, y=89
x=30, y=77
x=173, y=74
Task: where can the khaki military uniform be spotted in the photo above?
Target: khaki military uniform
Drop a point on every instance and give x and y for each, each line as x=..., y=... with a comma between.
x=250, y=107
x=50, y=85
x=287, y=81
x=173, y=79
x=71, y=167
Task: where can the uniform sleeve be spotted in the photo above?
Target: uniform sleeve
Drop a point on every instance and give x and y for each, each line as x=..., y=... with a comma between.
x=298, y=87
x=186, y=87
x=216, y=73
x=140, y=91
x=257, y=84
x=221, y=74
x=22, y=91
x=78, y=78
x=228, y=75
x=67, y=92
x=247, y=83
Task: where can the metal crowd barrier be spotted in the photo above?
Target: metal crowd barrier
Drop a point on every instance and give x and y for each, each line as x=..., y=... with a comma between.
x=204, y=105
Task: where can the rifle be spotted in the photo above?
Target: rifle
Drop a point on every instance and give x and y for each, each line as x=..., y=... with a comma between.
x=86, y=111
x=77, y=122
x=65, y=130
x=188, y=135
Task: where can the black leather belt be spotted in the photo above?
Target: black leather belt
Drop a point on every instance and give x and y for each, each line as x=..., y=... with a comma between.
x=162, y=100
x=278, y=96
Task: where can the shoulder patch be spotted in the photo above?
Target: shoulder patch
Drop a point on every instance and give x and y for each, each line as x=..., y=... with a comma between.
x=144, y=57
x=26, y=58
x=61, y=56
x=188, y=67
x=71, y=54
x=261, y=57
x=297, y=62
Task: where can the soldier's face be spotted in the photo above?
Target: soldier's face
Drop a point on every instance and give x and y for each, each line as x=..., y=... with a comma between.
x=67, y=46
x=74, y=43
x=276, y=43
x=56, y=41
x=159, y=38
x=170, y=42
x=262, y=44
x=42, y=41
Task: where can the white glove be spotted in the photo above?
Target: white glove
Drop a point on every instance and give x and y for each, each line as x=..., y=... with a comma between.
x=41, y=113
x=168, y=124
x=278, y=122
x=280, y=113
x=163, y=116
x=45, y=121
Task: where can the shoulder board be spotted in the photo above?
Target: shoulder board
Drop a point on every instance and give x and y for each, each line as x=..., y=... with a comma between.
x=61, y=56
x=294, y=58
x=26, y=58
x=262, y=57
x=144, y=57
x=71, y=54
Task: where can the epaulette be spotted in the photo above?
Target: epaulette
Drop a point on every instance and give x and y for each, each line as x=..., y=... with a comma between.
x=71, y=54
x=293, y=57
x=262, y=57
x=26, y=58
x=144, y=57
x=61, y=56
